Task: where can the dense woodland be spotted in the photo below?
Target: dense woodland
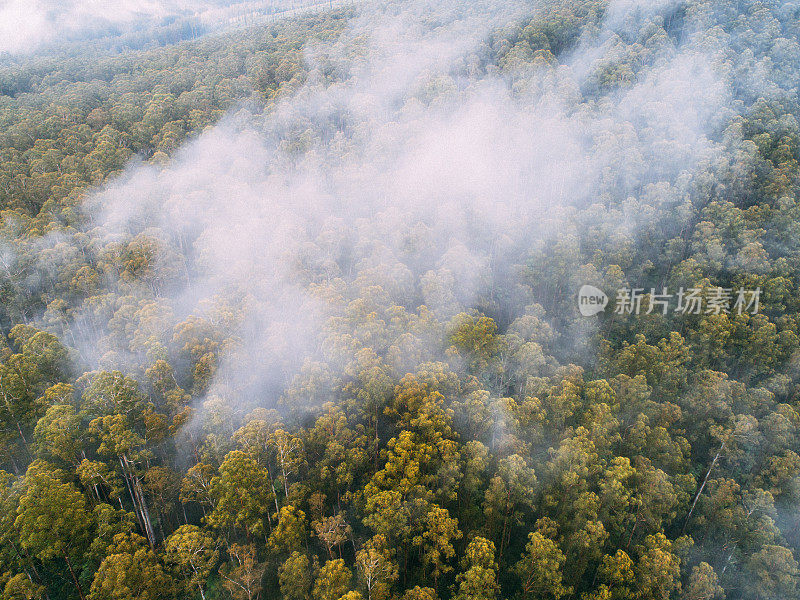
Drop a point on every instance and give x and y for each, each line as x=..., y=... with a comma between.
x=435, y=443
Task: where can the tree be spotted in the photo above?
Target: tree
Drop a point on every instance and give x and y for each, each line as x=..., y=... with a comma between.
x=703, y=584
x=774, y=573
x=658, y=568
x=618, y=577
x=476, y=338
x=540, y=569
x=296, y=576
x=332, y=581
x=376, y=569
x=420, y=593
x=290, y=533
x=194, y=553
x=437, y=540
x=196, y=486
x=511, y=490
x=120, y=440
x=242, y=574
x=53, y=519
x=131, y=571
x=241, y=494
x=96, y=475
x=57, y=435
x=110, y=393
x=26, y=376
x=332, y=531
x=21, y=587
x=478, y=581
x=288, y=455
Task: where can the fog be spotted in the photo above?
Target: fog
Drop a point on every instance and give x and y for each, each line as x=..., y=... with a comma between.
x=416, y=177
x=28, y=25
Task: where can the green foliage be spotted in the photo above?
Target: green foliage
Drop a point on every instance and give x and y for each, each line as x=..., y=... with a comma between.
x=478, y=581
x=456, y=432
x=130, y=571
x=241, y=494
x=53, y=519
x=332, y=581
x=540, y=569
x=193, y=552
x=296, y=577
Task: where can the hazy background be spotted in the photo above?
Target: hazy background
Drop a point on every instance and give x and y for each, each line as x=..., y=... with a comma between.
x=28, y=25
x=413, y=177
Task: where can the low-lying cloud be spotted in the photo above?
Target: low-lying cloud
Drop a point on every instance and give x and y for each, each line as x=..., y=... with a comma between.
x=27, y=25
x=409, y=174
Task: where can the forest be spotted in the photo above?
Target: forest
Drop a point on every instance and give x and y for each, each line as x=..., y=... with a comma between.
x=289, y=308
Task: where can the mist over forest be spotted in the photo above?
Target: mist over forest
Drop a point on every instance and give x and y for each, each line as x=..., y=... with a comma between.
x=399, y=300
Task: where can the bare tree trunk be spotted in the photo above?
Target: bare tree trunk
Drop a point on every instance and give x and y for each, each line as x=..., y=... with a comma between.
x=151, y=536
x=131, y=494
x=137, y=495
x=703, y=485
x=74, y=578
x=199, y=583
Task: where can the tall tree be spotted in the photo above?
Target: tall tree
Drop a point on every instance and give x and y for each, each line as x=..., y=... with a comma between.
x=540, y=569
x=131, y=571
x=53, y=520
x=194, y=554
x=243, y=573
x=478, y=580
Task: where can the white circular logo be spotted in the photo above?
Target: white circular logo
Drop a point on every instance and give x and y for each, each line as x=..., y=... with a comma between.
x=591, y=300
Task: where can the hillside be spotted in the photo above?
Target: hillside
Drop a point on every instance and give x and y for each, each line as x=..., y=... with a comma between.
x=408, y=300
